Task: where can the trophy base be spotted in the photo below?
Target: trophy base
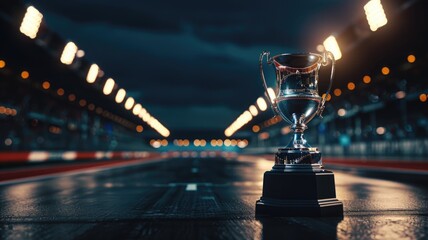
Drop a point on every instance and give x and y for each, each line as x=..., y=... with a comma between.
x=299, y=194
x=299, y=190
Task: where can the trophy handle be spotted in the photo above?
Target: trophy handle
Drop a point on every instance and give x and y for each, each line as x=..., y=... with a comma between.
x=272, y=103
x=327, y=55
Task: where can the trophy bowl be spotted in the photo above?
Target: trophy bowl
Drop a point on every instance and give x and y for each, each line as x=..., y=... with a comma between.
x=297, y=99
x=298, y=185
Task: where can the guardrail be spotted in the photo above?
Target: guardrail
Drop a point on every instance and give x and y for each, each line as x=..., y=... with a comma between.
x=404, y=149
x=43, y=156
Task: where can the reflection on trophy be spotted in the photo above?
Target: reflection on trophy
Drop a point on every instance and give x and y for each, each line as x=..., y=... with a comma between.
x=298, y=185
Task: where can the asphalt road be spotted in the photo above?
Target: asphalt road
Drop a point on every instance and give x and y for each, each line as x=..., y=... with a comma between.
x=200, y=198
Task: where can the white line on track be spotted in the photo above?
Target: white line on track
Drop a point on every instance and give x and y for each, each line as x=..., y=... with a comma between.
x=192, y=187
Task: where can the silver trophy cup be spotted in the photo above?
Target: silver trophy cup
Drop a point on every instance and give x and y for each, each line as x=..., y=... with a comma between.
x=297, y=101
x=298, y=185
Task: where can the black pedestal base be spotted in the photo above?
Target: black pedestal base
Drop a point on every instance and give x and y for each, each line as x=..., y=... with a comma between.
x=299, y=193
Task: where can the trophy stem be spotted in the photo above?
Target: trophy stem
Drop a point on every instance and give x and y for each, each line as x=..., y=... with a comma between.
x=298, y=140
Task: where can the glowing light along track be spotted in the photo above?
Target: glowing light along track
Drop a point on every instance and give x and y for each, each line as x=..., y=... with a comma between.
x=249, y=114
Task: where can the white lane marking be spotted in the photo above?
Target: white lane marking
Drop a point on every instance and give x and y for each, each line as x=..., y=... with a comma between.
x=195, y=170
x=192, y=187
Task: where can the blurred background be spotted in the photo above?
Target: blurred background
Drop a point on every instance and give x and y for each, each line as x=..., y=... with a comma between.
x=183, y=78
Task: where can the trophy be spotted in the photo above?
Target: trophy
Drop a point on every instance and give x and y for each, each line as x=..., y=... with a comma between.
x=298, y=184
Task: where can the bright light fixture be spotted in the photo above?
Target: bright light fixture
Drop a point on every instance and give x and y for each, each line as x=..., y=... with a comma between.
x=92, y=73
x=120, y=95
x=253, y=110
x=108, y=86
x=143, y=112
x=68, y=53
x=146, y=117
x=31, y=22
x=271, y=94
x=262, y=104
x=331, y=45
x=129, y=103
x=137, y=108
x=375, y=14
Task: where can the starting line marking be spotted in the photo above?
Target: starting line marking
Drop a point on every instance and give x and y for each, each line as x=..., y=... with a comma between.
x=192, y=187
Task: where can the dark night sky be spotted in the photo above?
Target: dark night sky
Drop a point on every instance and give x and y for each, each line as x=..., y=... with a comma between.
x=193, y=64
